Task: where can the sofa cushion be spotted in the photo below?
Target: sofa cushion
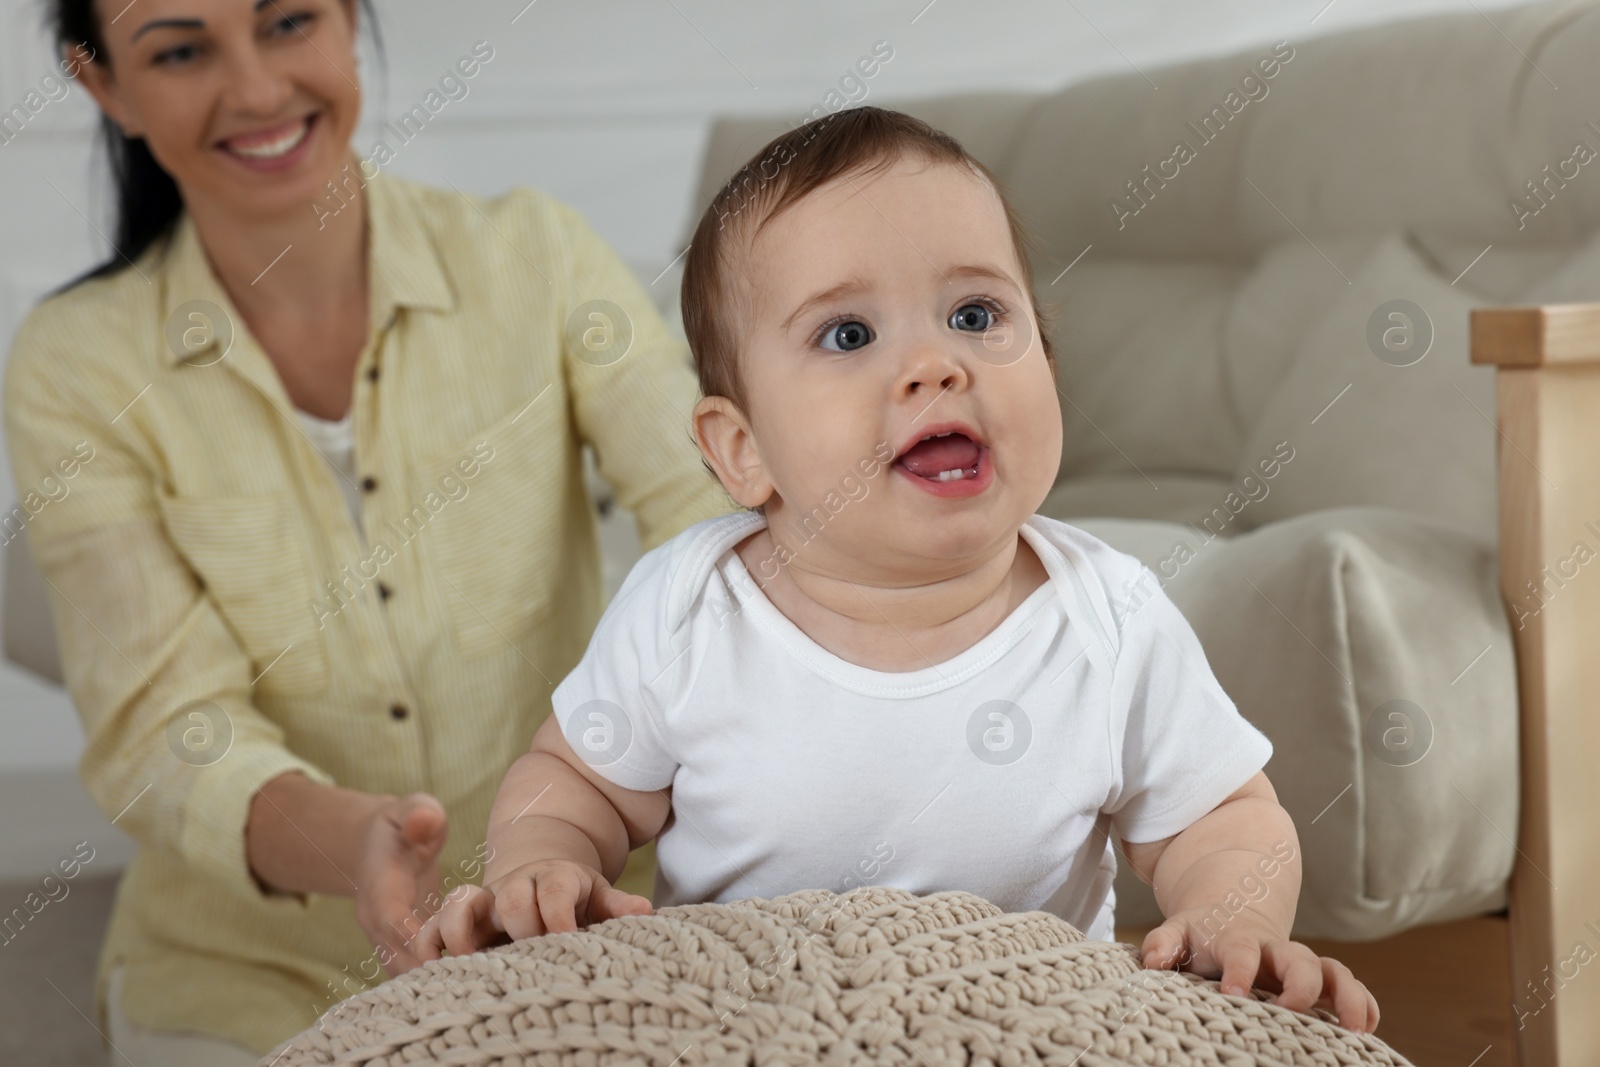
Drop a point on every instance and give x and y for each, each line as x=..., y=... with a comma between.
x=1316, y=626
x=1173, y=496
x=1365, y=431
x=1499, y=273
x=1576, y=280
x=1138, y=352
x=1287, y=289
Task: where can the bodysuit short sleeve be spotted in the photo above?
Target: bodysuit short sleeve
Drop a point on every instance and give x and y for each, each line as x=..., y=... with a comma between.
x=1178, y=743
x=610, y=706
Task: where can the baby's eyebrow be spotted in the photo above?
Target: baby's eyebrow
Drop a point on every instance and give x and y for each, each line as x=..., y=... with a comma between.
x=982, y=270
x=855, y=285
x=848, y=287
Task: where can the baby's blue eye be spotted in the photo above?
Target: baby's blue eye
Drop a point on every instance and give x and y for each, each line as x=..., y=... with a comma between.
x=974, y=317
x=848, y=336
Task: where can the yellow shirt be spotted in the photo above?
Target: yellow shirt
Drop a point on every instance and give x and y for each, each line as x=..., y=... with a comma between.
x=220, y=617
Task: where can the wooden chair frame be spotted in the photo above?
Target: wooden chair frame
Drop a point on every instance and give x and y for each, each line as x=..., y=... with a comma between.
x=1547, y=399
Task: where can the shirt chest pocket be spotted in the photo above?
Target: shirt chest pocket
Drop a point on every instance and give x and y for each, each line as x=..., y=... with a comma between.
x=250, y=555
x=494, y=511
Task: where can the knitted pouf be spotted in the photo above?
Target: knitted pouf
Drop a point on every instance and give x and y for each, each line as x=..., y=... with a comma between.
x=876, y=975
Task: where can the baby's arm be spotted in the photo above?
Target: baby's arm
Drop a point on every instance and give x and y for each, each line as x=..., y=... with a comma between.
x=559, y=835
x=1219, y=925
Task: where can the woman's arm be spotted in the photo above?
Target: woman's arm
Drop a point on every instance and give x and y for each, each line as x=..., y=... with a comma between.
x=307, y=837
x=635, y=410
x=151, y=664
x=143, y=647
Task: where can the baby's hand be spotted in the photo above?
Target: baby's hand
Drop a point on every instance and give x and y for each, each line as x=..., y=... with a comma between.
x=545, y=896
x=555, y=896
x=463, y=926
x=1246, y=945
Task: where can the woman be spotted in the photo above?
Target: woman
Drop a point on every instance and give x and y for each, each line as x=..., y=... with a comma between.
x=327, y=546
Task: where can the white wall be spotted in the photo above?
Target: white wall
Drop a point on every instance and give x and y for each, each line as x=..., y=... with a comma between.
x=606, y=104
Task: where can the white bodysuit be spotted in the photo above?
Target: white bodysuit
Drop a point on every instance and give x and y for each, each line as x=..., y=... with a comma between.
x=997, y=771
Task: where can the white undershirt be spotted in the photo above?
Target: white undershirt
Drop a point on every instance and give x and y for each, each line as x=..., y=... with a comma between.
x=336, y=440
x=995, y=771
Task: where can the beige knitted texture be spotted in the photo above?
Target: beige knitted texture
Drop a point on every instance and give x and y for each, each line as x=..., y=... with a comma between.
x=876, y=975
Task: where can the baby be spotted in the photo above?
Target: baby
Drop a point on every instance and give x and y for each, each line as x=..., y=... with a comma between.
x=889, y=667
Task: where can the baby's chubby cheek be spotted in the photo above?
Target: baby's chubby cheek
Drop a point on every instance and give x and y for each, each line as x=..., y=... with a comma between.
x=1027, y=446
x=826, y=460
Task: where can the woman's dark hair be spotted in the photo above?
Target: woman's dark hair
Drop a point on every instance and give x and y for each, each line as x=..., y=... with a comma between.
x=148, y=201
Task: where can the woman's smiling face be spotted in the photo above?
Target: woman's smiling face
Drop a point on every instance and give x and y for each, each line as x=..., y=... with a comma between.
x=249, y=104
x=885, y=308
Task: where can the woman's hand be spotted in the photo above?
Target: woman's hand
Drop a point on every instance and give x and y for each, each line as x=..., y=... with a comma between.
x=305, y=837
x=1246, y=951
x=545, y=896
x=397, y=871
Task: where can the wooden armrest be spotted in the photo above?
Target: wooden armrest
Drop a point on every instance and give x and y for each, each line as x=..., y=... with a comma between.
x=1547, y=401
x=1536, y=336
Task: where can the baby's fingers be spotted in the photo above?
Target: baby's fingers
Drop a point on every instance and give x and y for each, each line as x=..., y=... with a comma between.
x=1352, y=1003
x=465, y=924
x=1299, y=972
x=608, y=902
x=428, y=943
x=515, y=910
x=559, y=892
x=1166, y=946
x=455, y=928
x=1240, y=959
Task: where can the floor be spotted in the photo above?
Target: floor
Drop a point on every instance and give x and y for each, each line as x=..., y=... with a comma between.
x=46, y=972
x=47, y=975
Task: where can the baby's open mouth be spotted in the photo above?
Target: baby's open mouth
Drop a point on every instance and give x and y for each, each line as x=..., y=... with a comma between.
x=943, y=457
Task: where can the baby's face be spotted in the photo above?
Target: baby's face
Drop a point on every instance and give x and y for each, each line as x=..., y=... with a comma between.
x=924, y=322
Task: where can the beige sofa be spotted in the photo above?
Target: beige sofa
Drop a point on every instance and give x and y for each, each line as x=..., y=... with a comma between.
x=1312, y=480
x=1310, y=468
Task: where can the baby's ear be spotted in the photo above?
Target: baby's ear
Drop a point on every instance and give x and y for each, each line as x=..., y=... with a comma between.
x=723, y=436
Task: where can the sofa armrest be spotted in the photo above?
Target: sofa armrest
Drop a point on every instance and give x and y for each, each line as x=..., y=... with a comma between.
x=27, y=633
x=1547, y=398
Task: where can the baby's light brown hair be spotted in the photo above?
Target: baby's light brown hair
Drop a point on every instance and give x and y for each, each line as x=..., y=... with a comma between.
x=716, y=298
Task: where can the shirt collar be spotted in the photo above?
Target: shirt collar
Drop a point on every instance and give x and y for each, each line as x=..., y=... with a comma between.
x=403, y=270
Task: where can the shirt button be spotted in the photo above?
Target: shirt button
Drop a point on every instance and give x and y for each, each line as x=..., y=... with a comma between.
x=369, y=483
x=397, y=712
x=372, y=373
x=384, y=591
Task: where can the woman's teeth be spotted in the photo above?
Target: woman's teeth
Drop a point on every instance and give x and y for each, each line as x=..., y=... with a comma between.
x=271, y=149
